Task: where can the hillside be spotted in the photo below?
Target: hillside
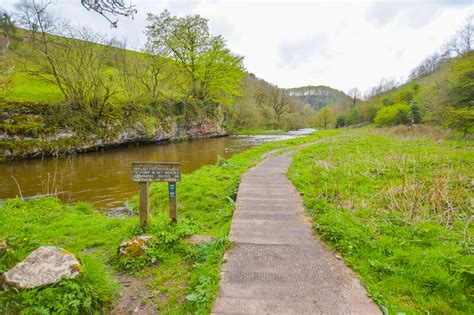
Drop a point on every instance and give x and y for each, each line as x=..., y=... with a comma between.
x=320, y=96
x=88, y=92
x=444, y=97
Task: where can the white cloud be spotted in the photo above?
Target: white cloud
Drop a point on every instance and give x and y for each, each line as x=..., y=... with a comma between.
x=341, y=44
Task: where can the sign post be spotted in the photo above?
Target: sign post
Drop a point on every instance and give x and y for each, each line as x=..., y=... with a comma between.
x=145, y=172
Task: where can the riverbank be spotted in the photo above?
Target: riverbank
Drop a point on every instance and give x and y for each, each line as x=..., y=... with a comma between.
x=397, y=205
x=178, y=276
x=29, y=131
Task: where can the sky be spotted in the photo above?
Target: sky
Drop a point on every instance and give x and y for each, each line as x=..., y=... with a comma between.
x=342, y=44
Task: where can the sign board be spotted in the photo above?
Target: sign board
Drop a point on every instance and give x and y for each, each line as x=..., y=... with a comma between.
x=156, y=172
x=145, y=172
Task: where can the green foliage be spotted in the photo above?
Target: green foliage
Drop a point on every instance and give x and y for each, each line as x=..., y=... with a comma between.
x=393, y=115
x=398, y=211
x=436, y=94
x=263, y=106
x=340, y=121
x=324, y=118
x=208, y=73
x=415, y=113
x=461, y=119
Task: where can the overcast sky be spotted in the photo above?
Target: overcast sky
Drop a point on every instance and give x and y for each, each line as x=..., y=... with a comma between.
x=295, y=43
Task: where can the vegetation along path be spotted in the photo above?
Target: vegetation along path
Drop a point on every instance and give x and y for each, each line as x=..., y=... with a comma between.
x=276, y=266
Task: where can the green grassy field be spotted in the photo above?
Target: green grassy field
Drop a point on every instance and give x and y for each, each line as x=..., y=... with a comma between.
x=182, y=278
x=399, y=211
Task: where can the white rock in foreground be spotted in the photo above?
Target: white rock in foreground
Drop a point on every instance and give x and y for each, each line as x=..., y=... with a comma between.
x=45, y=265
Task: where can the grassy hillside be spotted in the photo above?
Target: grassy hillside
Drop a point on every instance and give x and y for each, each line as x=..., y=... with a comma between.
x=29, y=86
x=443, y=97
x=320, y=96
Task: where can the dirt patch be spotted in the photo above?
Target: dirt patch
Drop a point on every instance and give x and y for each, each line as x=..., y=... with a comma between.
x=135, y=298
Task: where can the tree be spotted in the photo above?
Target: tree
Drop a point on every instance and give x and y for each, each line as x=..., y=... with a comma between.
x=461, y=119
x=7, y=28
x=324, y=118
x=84, y=76
x=279, y=101
x=415, y=114
x=35, y=16
x=208, y=74
x=76, y=61
x=355, y=95
x=340, y=121
x=392, y=115
x=110, y=7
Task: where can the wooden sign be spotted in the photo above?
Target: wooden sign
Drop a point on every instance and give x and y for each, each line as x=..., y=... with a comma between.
x=156, y=172
x=145, y=172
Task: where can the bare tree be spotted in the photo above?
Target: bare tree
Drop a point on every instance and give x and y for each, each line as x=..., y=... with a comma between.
x=385, y=85
x=355, y=95
x=35, y=16
x=465, y=35
x=106, y=8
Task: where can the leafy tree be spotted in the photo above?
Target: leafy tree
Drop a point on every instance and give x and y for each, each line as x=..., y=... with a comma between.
x=340, y=121
x=461, y=119
x=208, y=74
x=393, y=115
x=324, y=118
x=7, y=28
x=280, y=102
x=415, y=114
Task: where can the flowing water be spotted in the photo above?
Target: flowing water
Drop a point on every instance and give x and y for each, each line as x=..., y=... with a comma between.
x=104, y=178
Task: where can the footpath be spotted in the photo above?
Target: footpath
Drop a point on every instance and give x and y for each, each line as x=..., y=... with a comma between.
x=277, y=265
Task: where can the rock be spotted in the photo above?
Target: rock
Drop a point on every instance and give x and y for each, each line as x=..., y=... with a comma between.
x=3, y=245
x=199, y=239
x=45, y=265
x=136, y=246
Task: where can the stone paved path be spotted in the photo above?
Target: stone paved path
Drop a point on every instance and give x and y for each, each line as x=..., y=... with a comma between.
x=276, y=265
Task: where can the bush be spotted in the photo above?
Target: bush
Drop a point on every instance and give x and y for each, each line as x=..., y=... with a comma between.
x=393, y=115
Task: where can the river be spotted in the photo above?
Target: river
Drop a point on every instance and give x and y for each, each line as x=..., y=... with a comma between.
x=104, y=178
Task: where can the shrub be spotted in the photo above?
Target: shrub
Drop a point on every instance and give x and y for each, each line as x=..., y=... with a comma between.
x=393, y=115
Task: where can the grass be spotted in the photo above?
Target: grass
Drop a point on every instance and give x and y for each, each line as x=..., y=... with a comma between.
x=399, y=211
x=182, y=278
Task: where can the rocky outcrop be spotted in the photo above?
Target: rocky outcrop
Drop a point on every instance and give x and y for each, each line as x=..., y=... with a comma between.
x=68, y=142
x=45, y=265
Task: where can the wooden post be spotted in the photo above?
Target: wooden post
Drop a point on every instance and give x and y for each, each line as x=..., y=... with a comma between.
x=145, y=172
x=172, y=201
x=143, y=196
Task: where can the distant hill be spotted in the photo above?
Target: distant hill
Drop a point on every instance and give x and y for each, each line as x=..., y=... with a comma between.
x=320, y=96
